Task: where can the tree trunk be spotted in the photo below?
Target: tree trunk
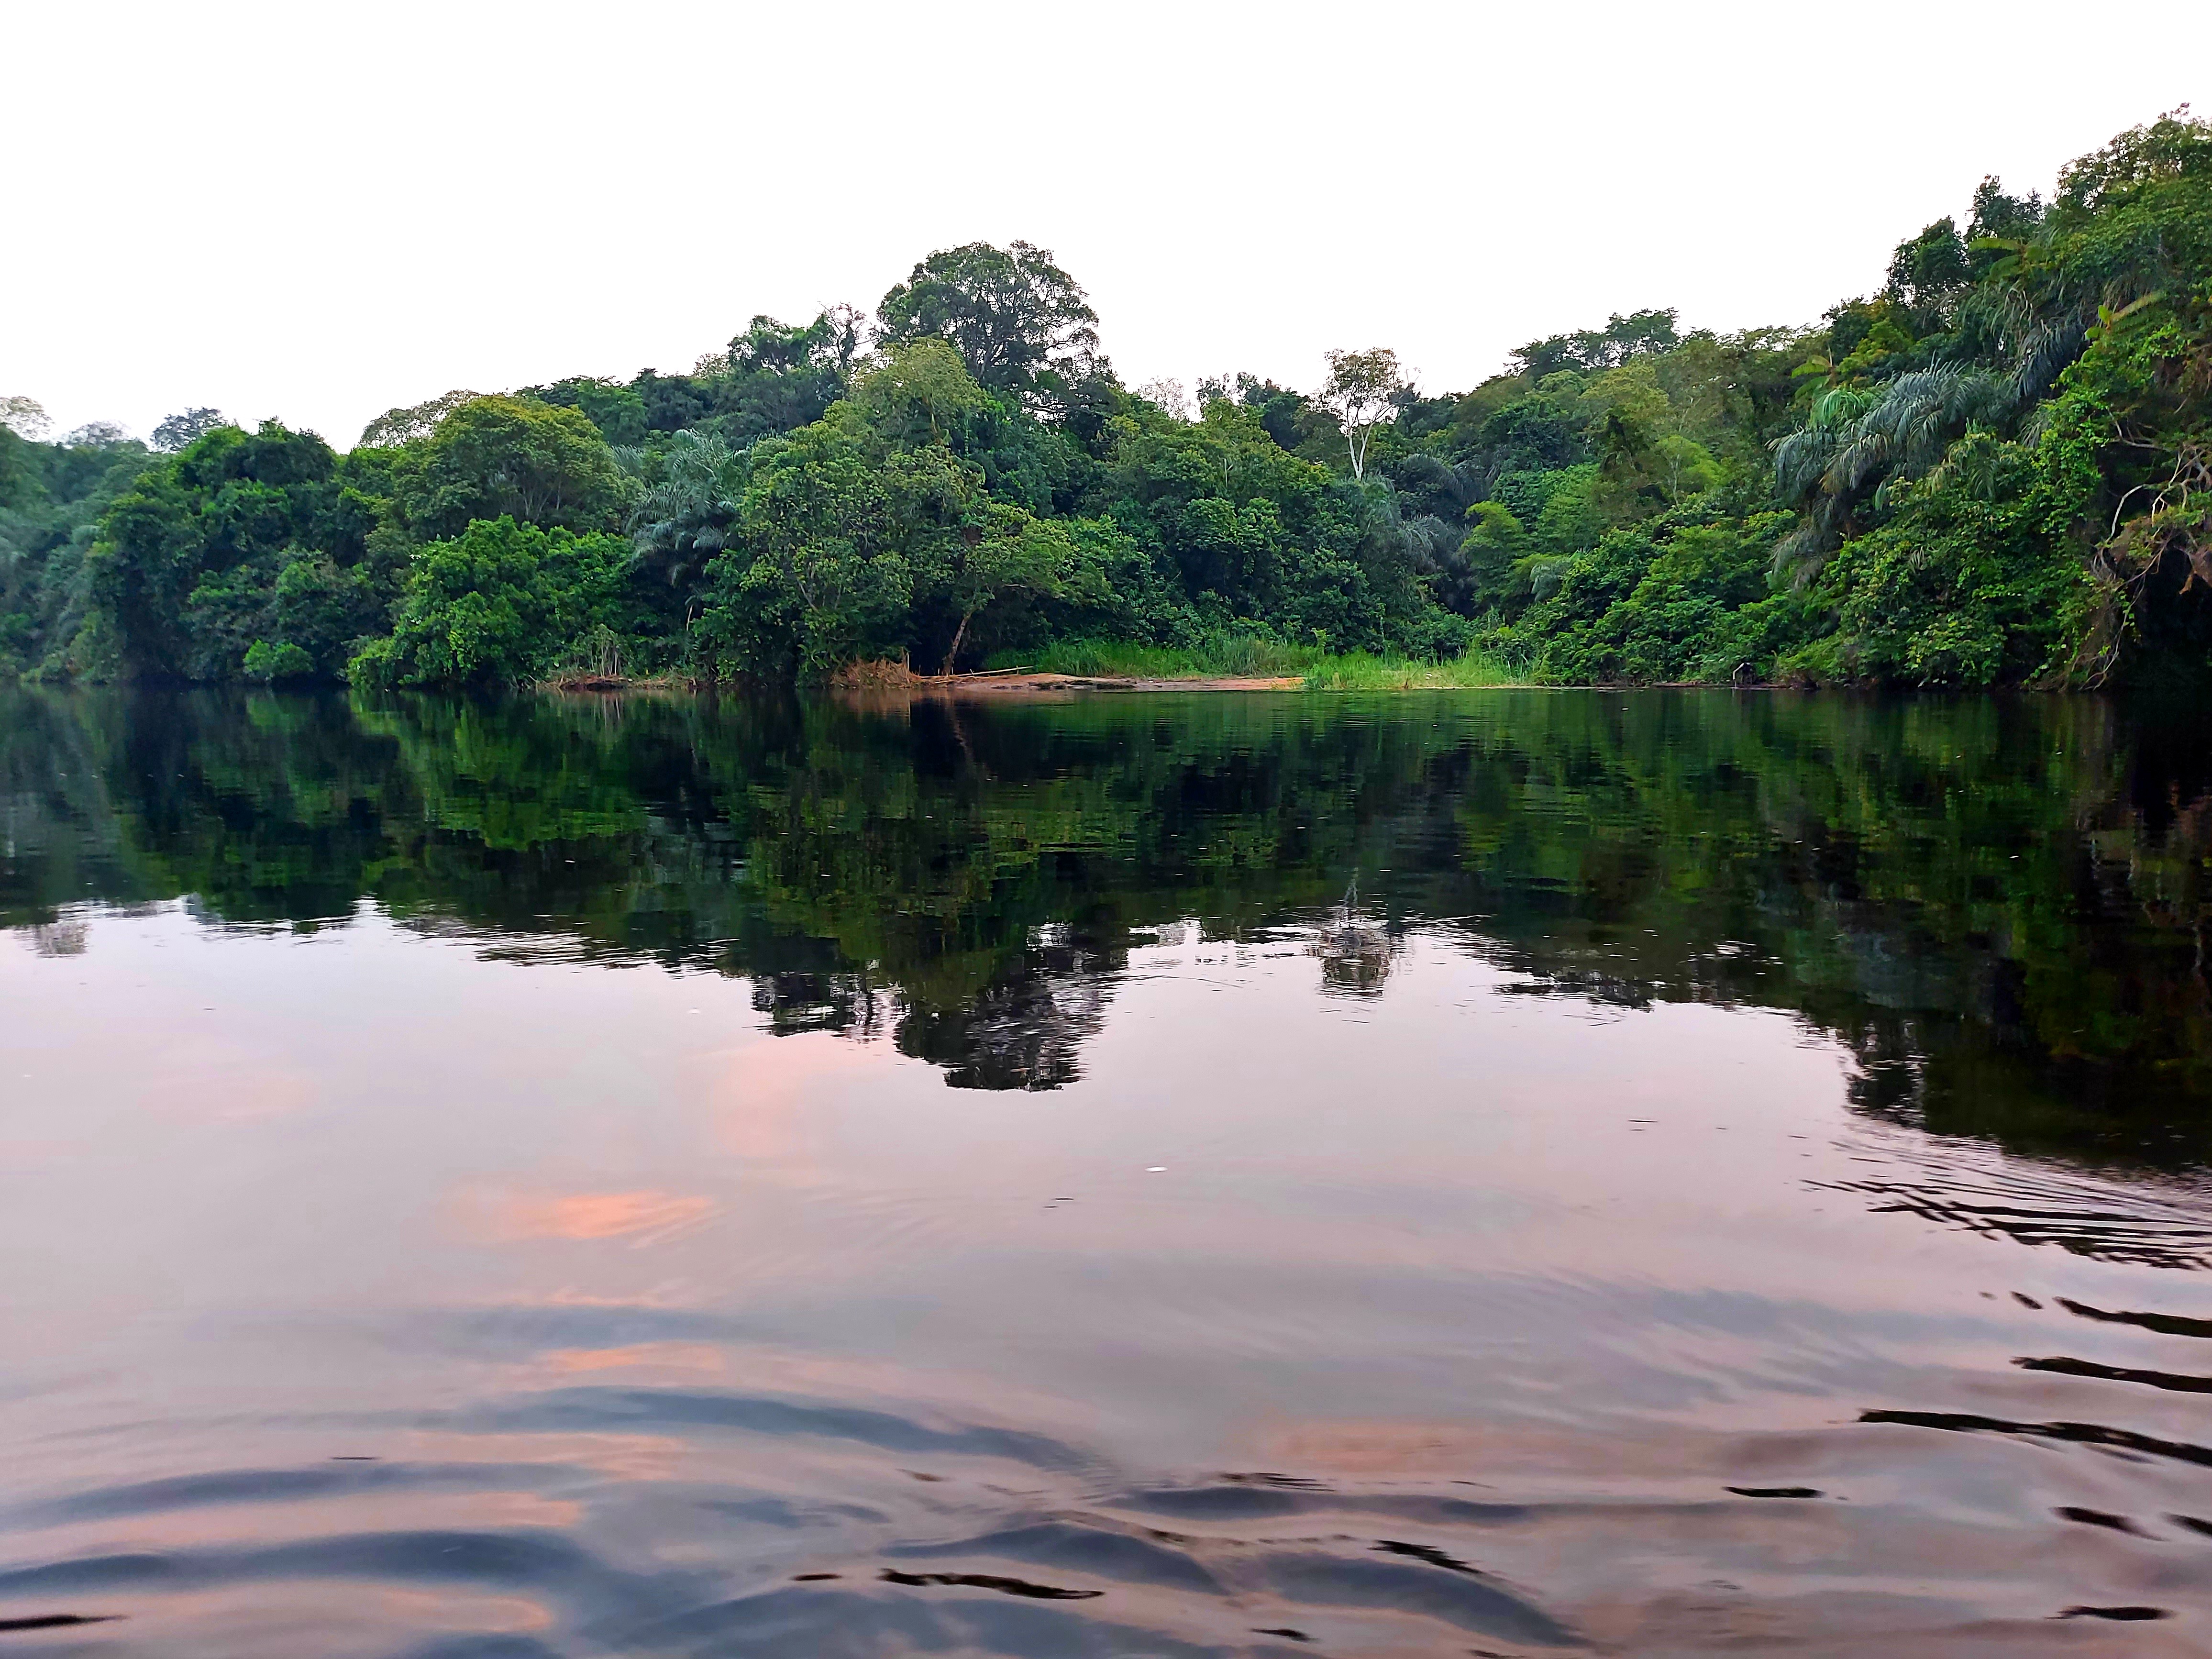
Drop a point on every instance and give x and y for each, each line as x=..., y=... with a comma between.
x=958, y=634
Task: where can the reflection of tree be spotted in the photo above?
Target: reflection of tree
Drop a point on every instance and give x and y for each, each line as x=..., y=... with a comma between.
x=1023, y=1031
x=796, y=1000
x=1997, y=904
x=59, y=938
x=59, y=840
x=1965, y=892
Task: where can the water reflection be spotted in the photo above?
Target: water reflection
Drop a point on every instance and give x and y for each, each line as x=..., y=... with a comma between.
x=1997, y=905
x=482, y=1179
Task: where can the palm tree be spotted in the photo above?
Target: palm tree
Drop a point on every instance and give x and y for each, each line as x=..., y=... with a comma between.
x=685, y=519
x=2015, y=334
x=1461, y=486
x=1856, y=443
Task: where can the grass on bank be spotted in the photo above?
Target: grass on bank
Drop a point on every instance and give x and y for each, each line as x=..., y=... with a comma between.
x=1245, y=658
x=1362, y=670
x=1235, y=658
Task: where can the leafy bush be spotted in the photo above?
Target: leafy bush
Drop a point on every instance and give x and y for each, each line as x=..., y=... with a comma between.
x=282, y=661
x=498, y=605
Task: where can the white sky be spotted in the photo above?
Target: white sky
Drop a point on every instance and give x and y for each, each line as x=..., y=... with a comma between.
x=318, y=211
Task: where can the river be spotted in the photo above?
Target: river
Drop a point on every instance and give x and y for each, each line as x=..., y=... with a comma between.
x=1496, y=1173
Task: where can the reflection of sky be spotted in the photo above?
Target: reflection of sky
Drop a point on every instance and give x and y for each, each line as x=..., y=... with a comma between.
x=1607, y=1211
x=367, y=1181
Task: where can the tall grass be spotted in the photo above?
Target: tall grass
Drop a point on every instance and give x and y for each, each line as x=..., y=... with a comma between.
x=1361, y=671
x=1243, y=657
x=1231, y=657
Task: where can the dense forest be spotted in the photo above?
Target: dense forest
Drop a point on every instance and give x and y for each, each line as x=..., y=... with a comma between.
x=1995, y=469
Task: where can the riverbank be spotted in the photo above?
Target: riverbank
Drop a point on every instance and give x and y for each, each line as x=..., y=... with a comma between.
x=1138, y=668
x=1018, y=682
x=1240, y=664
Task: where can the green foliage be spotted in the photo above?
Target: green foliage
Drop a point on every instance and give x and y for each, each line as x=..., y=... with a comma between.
x=176, y=432
x=874, y=532
x=498, y=605
x=491, y=457
x=776, y=376
x=1995, y=469
x=684, y=519
x=2023, y=493
x=615, y=408
x=920, y=393
x=1958, y=588
x=1683, y=599
x=1639, y=334
x=1263, y=539
x=1362, y=670
x=1494, y=557
x=1221, y=656
x=1023, y=325
x=404, y=425
x=1016, y=555
x=241, y=537
x=285, y=661
x=52, y=496
x=833, y=533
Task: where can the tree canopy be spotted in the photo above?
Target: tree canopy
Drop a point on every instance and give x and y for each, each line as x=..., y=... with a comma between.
x=1994, y=467
x=1024, y=326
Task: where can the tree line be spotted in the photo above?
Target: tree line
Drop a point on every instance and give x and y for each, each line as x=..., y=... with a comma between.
x=1995, y=469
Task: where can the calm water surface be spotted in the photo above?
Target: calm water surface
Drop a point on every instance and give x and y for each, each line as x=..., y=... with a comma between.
x=680, y=1178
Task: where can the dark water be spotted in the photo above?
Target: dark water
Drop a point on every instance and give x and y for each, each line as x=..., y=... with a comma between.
x=685, y=1179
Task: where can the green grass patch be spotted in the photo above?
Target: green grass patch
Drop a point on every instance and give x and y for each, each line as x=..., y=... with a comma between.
x=1237, y=657
x=1242, y=657
x=1360, y=670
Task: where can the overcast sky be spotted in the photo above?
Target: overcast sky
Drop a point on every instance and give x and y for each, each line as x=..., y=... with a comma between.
x=319, y=211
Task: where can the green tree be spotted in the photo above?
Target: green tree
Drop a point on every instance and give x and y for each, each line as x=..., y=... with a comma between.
x=514, y=457
x=616, y=409
x=834, y=536
x=920, y=393
x=776, y=377
x=497, y=604
x=1014, y=553
x=1929, y=274
x=186, y=570
x=1493, y=553
x=682, y=520
x=1023, y=325
x=412, y=421
x=1362, y=386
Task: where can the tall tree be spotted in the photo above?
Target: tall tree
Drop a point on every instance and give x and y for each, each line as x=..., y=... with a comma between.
x=1013, y=554
x=493, y=456
x=403, y=425
x=684, y=520
x=191, y=562
x=1640, y=333
x=831, y=342
x=1024, y=325
x=1362, y=387
x=25, y=416
x=176, y=431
